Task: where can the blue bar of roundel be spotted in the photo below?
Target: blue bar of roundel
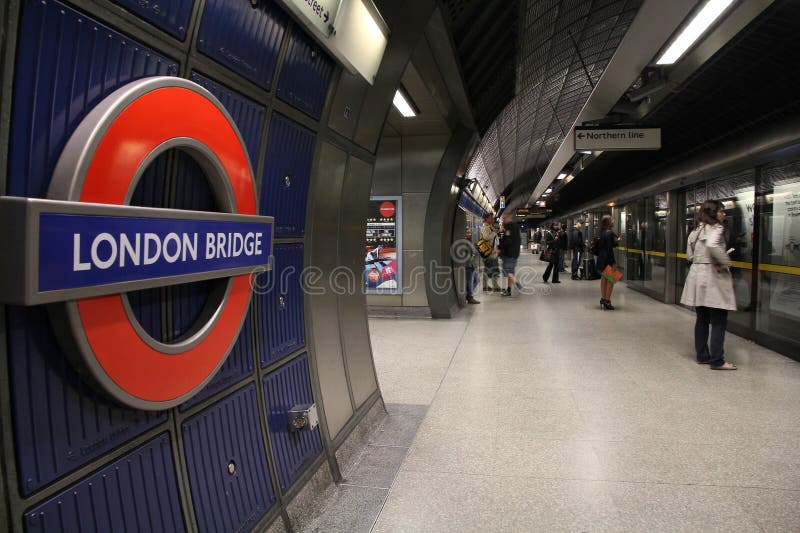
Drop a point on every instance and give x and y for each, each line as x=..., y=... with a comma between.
x=56, y=255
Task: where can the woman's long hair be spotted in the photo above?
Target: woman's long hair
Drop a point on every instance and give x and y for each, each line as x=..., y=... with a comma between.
x=605, y=223
x=708, y=212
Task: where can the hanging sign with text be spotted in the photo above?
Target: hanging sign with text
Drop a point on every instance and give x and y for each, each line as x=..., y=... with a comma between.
x=617, y=139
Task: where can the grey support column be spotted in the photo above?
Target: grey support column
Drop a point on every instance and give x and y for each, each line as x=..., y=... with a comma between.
x=439, y=220
x=322, y=303
x=352, y=309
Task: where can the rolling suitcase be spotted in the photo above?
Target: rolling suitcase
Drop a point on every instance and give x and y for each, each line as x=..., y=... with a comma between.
x=589, y=268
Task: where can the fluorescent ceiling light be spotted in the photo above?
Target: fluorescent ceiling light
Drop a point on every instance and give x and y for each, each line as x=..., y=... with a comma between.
x=403, y=105
x=562, y=176
x=549, y=190
x=698, y=25
x=587, y=152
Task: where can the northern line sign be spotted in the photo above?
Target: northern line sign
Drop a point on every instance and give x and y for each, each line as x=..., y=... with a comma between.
x=617, y=139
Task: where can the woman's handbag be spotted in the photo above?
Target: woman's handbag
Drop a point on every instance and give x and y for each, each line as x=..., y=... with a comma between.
x=485, y=248
x=612, y=274
x=546, y=256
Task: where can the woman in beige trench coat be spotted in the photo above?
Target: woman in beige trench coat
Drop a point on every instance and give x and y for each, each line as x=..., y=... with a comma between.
x=709, y=286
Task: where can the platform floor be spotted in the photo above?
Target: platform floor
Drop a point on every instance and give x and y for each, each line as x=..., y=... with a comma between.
x=544, y=413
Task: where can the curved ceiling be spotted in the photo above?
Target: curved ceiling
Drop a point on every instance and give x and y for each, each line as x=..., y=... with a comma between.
x=562, y=48
x=748, y=85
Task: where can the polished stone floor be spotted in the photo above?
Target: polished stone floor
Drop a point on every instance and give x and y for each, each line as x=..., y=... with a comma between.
x=544, y=413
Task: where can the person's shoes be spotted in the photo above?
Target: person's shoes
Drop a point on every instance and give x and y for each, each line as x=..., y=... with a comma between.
x=556, y=281
x=606, y=304
x=575, y=278
x=471, y=300
x=726, y=366
x=486, y=289
x=505, y=292
x=544, y=280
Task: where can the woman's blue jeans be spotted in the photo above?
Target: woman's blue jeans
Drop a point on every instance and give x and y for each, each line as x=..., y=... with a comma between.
x=717, y=319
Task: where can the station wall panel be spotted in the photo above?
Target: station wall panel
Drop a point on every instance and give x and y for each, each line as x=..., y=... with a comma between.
x=188, y=302
x=284, y=183
x=151, y=191
x=138, y=492
x=237, y=366
x=247, y=114
x=60, y=423
x=146, y=306
x=228, y=433
x=67, y=63
x=171, y=16
x=305, y=75
x=243, y=37
x=193, y=192
x=281, y=324
x=284, y=388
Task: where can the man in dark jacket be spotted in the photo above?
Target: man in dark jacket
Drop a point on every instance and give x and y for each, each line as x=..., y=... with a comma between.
x=556, y=247
x=510, y=241
x=563, y=246
x=578, y=247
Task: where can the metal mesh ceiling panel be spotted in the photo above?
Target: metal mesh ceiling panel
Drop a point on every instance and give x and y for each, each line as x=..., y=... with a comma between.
x=556, y=39
x=748, y=85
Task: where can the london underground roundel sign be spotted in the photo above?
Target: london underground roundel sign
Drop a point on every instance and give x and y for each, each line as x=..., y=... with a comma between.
x=85, y=246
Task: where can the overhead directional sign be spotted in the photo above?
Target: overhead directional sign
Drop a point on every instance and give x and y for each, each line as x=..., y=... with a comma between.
x=319, y=13
x=617, y=139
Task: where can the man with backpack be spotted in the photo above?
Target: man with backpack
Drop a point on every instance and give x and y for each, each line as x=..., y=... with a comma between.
x=578, y=247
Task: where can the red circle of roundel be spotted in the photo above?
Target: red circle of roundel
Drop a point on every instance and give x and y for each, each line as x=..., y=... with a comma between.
x=387, y=209
x=150, y=120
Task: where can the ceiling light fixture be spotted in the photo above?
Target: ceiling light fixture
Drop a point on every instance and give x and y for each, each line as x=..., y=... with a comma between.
x=404, y=104
x=702, y=20
x=562, y=176
x=549, y=190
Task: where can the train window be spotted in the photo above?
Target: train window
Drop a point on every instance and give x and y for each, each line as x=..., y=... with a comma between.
x=779, y=254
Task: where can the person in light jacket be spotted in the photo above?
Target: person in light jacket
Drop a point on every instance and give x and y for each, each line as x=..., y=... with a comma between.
x=488, y=233
x=709, y=286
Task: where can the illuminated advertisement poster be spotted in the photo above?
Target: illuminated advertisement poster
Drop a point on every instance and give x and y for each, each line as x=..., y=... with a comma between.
x=382, y=259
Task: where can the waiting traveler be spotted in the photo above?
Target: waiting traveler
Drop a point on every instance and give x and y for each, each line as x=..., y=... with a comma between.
x=471, y=269
x=510, y=242
x=488, y=234
x=554, y=245
x=563, y=246
x=605, y=257
x=709, y=286
x=578, y=247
